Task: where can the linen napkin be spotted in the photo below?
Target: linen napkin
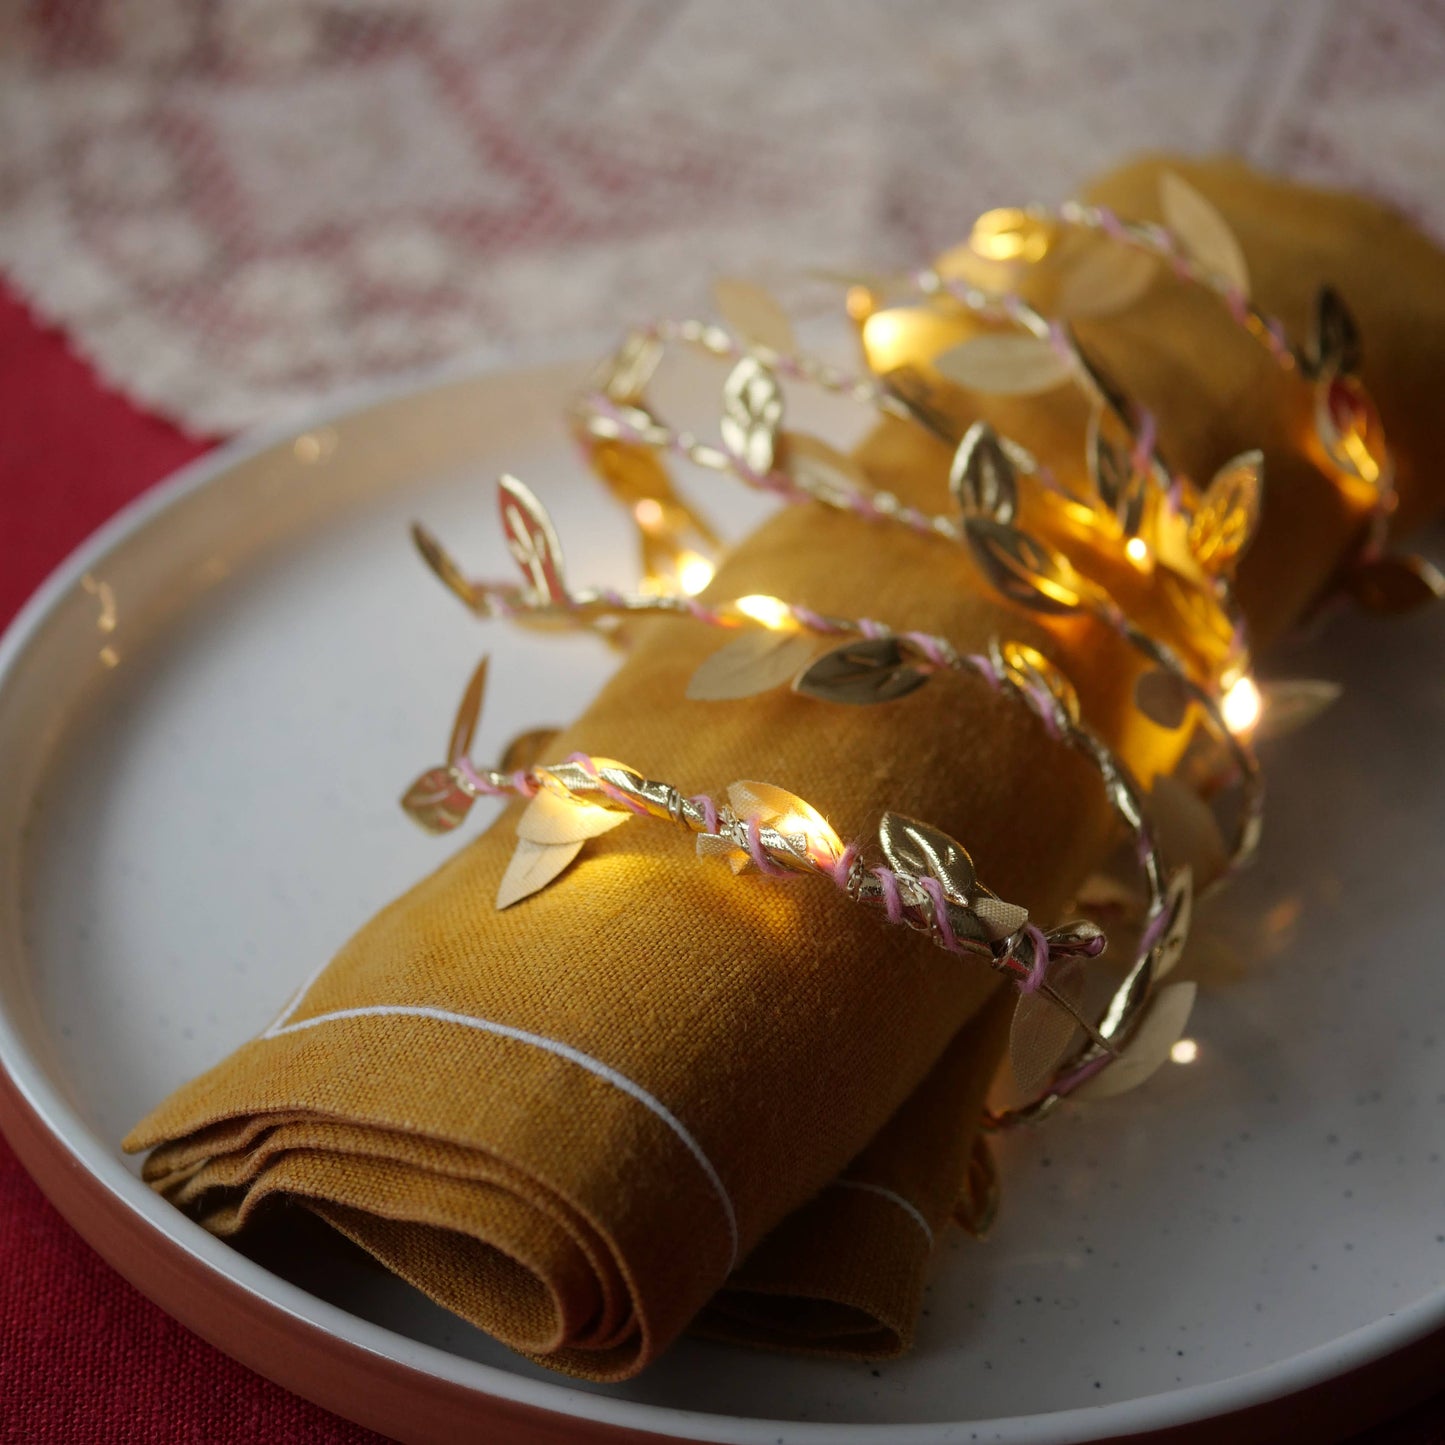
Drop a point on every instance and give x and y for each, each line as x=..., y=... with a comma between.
x=575, y=1121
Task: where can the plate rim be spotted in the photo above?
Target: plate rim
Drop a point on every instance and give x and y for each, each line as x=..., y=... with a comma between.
x=26, y=1089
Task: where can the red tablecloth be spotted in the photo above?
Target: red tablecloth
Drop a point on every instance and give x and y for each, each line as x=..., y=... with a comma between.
x=84, y=1358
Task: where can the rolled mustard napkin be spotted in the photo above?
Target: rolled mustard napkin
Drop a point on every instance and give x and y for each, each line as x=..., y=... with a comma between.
x=847, y=1273
x=575, y=1121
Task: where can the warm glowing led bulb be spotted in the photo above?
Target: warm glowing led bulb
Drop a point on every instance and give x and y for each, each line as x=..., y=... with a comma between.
x=694, y=572
x=824, y=845
x=1184, y=1052
x=1242, y=706
x=1136, y=549
x=648, y=513
x=770, y=611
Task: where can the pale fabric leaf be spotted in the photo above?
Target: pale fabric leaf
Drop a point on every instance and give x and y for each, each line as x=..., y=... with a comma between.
x=710, y=845
x=764, y=802
x=1162, y=697
x=1158, y=1031
x=1189, y=833
x=1043, y=1031
x=1004, y=364
x=550, y=820
x=1105, y=280
x=1001, y=920
x=1289, y=706
x=758, y=661
x=533, y=867
x=1202, y=232
x=754, y=313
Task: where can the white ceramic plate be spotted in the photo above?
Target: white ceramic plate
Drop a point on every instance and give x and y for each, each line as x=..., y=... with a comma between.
x=206, y=716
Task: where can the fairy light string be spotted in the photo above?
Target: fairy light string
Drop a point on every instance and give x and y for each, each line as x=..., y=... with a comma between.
x=910, y=874
x=924, y=880
x=1027, y=570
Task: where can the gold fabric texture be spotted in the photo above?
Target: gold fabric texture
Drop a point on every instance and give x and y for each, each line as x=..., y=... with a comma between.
x=777, y=1049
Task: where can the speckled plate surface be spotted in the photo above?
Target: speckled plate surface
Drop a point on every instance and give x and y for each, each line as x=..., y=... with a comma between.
x=205, y=718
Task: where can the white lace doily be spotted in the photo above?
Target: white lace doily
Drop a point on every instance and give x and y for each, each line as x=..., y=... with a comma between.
x=237, y=206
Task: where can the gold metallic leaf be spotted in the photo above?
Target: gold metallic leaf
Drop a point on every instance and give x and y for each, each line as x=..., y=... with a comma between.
x=437, y=801
x=755, y=662
x=1188, y=832
x=1228, y=514
x=1043, y=1032
x=1004, y=363
x=864, y=671
x=667, y=524
x=977, y=1206
x=624, y=376
x=1029, y=669
x=531, y=539
x=1202, y=233
x=525, y=749
x=1106, y=279
x=752, y=415
x=1350, y=430
x=469, y=710
x=1162, y=697
x=440, y=561
x=550, y=819
x=982, y=477
x=1334, y=344
x=533, y=866
x=920, y=851
x=1157, y=1032
x=754, y=313
x=1179, y=905
x=1023, y=568
x=1120, y=487
x=1395, y=584
x=1288, y=706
